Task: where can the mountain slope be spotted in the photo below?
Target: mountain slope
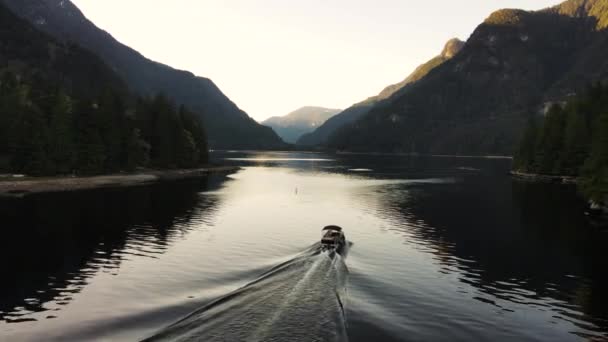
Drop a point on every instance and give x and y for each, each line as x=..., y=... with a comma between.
x=27, y=52
x=594, y=10
x=227, y=125
x=299, y=122
x=29, y=55
x=63, y=110
x=479, y=101
x=320, y=135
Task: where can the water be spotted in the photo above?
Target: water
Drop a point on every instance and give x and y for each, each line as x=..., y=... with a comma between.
x=442, y=249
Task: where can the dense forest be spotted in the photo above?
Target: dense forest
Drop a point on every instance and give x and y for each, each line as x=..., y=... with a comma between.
x=48, y=132
x=64, y=111
x=571, y=140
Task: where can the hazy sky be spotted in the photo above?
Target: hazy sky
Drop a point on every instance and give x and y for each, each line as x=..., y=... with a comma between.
x=274, y=56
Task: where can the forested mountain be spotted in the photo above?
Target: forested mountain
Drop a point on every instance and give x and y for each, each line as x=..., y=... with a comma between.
x=299, y=122
x=571, y=140
x=63, y=110
x=227, y=125
x=479, y=101
x=353, y=113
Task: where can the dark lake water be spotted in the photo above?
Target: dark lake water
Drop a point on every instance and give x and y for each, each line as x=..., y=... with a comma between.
x=441, y=249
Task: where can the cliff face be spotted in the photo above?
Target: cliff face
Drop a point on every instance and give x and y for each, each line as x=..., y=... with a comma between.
x=350, y=115
x=227, y=125
x=479, y=101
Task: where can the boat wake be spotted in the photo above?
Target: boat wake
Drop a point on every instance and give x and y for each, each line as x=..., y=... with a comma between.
x=299, y=300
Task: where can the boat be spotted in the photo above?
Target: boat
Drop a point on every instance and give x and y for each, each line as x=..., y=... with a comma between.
x=333, y=238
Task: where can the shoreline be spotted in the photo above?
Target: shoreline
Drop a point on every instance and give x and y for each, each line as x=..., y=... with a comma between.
x=405, y=154
x=18, y=188
x=594, y=210
x=536, y=177
x=399, y=154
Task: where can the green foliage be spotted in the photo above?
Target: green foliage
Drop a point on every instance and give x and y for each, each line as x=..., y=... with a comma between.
x=63, y=111
x=29, y=143
x=572, y=141
x=595, y=170
x=138, y=151
x=194, y=128
x=526, y=153
x=505, y=17
x=597, y=9
x=550, y=142
x=576, y=142
x=90, y=149
x=54, y=133
x=229, y=127
x=61, y=134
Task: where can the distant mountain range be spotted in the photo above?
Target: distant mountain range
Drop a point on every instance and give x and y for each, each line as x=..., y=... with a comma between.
x=477, y=102
x=299, y=122
x=227, y=125
x=353, y=113
x=473, y=98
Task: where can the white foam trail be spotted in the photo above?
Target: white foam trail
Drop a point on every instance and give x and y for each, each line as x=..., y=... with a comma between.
x=300, y=300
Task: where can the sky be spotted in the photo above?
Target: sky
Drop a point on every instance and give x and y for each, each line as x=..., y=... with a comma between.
x=274, y=56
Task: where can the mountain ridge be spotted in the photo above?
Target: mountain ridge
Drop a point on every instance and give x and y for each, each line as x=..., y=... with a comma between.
x=478, y=102
x=63, y=110
x=227, y=125
x=353, y=113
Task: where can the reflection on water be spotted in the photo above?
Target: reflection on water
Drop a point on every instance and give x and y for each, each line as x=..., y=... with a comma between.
x=275, y=159
x=514, y=244
x=54, y=243
x=443, y=249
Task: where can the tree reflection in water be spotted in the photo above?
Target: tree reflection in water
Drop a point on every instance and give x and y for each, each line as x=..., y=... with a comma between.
x=52, y=243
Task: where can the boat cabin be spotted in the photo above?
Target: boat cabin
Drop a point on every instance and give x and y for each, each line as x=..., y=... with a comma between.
x=332, y=235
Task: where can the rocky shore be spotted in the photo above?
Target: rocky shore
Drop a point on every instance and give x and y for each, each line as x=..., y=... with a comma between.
x=19, y=187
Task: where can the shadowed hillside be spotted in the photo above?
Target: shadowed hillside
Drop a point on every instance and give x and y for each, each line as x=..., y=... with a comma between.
x=320, y=135
x=64, y=111
x=227, y=125
x=479, y=101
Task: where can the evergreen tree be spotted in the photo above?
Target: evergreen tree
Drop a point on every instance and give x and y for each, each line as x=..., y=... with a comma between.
x=111, y=118
x=572, y=141
x=29, y=149
x=165, y=134
x=194, y=125
x=187, y=153
x=524, y=160
x=138, y=151
x=61, y=134
x=550, y=142
x=46, y=131
x=10, y=105
x=595, y=171
x=91, y=154
x=576, y=143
